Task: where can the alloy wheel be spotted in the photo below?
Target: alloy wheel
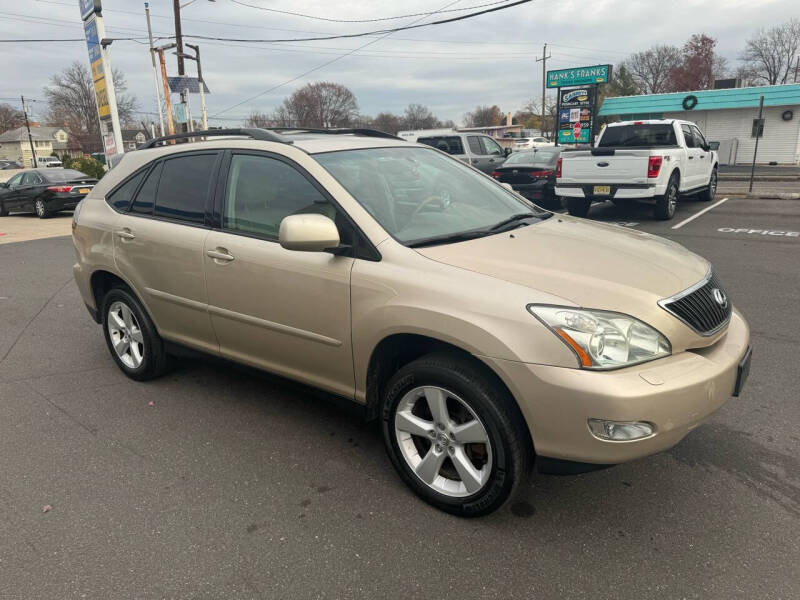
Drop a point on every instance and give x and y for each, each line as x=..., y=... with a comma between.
x=672, y=199
x=40, y=208
x=713, y=184
x=443, y=441
x=126, y=335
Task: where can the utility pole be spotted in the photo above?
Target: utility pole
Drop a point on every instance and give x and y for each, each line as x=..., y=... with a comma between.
x=155, y=68
x=28, y=127
x=543, y=60
x=176, y=7
x=200, y=82
x=167, y=104
x=758, y=135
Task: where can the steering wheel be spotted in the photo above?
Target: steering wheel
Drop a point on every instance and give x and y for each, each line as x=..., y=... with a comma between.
x=443, y=198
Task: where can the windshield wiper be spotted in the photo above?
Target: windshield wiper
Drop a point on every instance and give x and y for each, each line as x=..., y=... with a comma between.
x=514, y=219
x=449, y=239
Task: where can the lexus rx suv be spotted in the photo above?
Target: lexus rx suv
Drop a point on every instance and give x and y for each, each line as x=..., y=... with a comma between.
x=482, y=332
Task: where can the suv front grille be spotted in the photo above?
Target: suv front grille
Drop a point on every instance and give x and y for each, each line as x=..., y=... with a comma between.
x=704, y=307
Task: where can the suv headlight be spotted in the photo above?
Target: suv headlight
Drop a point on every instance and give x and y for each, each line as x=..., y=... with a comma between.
x=603, y=339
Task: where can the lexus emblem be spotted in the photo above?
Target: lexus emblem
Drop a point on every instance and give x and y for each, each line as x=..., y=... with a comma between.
x=720, y=297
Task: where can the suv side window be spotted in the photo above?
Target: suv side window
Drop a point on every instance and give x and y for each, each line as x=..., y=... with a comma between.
x=491, y=147
x=261, y=191
x=184, y=186
x=687, y=135
x=120, y=198
x=143, y=204
x=475, y=144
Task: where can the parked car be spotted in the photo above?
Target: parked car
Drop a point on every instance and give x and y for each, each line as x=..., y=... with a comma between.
x=656, y=160
x=6, y=165
x=531, y=173
x=44, y=191
x=48, y=162
x=478, y=150
x=482, y=331
x=532, y=142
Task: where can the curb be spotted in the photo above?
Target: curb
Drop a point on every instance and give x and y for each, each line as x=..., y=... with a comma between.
x=771, y=178
x=769, y=195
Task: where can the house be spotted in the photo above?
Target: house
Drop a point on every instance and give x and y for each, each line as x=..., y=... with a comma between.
x=15, y=145
x=729, y=117
x=59, y=139
x=131, y=138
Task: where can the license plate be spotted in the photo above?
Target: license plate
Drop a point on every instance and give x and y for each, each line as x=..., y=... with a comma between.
x=83, y=191
x=603, y=190
x=742, y=371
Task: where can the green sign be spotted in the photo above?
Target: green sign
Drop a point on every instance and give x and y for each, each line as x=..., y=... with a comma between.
x=579, y=76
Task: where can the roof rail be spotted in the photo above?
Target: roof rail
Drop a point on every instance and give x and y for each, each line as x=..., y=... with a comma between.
x=251, y=132
x=339, y=130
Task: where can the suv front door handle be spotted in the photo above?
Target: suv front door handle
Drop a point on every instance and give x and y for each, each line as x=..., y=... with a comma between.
x=220, y=255
x=126, y=234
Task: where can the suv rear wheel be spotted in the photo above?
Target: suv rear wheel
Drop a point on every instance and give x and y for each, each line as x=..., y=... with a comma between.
x=131, y=336
x=578, y=207
x=453, y=435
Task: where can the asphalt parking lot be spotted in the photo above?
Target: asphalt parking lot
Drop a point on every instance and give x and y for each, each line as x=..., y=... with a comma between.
x=215, y=482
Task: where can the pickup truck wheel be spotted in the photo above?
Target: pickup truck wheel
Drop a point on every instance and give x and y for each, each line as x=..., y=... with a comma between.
x=707, y=195
x=453, y=435
x=666, y=204
x=578, y=207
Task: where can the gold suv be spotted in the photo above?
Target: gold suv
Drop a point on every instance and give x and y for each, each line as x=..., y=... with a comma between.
x=481, y=330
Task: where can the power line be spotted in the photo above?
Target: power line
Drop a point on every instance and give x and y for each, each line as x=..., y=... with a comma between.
x=421, y=14
x=380, y=32
x=317, y=68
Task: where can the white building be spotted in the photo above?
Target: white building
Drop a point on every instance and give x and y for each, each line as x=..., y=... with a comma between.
x=729, y=117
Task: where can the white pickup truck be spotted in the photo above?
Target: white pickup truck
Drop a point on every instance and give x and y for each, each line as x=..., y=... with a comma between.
x=657, y=160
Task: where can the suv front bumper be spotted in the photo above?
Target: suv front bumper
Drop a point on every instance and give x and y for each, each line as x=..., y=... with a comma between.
x=675, y=394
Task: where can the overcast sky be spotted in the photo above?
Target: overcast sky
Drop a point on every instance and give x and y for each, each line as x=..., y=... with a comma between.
x=450, y=68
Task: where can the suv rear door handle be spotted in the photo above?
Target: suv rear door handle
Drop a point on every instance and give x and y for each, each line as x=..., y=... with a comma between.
x=220, y=254
x=126, y=234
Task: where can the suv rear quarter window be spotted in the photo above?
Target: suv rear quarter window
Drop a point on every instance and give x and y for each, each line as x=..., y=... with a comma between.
x=120, y=198
x=143, y=204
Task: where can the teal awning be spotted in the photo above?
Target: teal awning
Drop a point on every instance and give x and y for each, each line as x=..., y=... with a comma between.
x=774, y=95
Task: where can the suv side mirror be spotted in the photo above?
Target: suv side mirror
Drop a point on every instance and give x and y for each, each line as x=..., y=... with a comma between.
x=706, y=147
x=507, y=151
x=308, y=233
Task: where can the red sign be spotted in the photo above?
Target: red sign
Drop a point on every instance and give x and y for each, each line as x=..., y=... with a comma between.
x=576, y=130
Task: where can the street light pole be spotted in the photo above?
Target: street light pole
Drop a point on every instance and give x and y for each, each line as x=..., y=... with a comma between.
x=544, y=82
x=155, y=69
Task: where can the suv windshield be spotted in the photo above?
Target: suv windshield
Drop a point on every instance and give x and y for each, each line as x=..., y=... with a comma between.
x=419, y=196
x=638, y=136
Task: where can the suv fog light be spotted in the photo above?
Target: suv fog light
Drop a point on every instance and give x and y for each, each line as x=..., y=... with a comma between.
x=619, y=431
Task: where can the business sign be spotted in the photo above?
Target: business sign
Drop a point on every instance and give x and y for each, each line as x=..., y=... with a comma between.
x=575, y=133
x=579, y=76
x=98, y=73
x=89, y=7
x=179, y=111
x=577, y=98
x=109, y=145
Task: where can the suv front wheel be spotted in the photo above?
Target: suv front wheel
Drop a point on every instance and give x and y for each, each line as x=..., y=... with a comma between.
x=453, y=435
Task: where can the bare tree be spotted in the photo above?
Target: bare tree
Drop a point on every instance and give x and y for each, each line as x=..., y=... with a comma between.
x=319, y=104
x=260, y=119
x=10, y=117
x=484, y=116
x=388, y=122
x=417, y=116
x=770, y=56
x=71, y=103
x=651, y=68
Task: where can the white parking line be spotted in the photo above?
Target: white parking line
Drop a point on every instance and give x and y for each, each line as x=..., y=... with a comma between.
x=694, y=216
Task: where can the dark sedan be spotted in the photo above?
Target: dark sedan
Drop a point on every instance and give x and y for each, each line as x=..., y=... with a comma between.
x=6, y=165
x=531, y=173
x=44, y=191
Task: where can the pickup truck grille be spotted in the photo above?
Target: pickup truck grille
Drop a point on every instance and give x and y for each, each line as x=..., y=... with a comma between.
x=704, y=307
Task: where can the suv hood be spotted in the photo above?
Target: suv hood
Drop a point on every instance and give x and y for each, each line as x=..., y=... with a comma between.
x=587, y=263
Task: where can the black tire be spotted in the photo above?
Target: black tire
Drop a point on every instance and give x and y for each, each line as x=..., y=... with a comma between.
x=621, y=202
x=578, y=207
x=490, y=403
x=707, y=195
x=3, y=211
x=665, y=206
x=40, y=208
x=154, y=357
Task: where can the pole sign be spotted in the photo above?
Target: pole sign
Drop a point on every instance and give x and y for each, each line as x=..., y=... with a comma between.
x=579, y=76
x=575, y=115
x=89, y=7
x=98, y=73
